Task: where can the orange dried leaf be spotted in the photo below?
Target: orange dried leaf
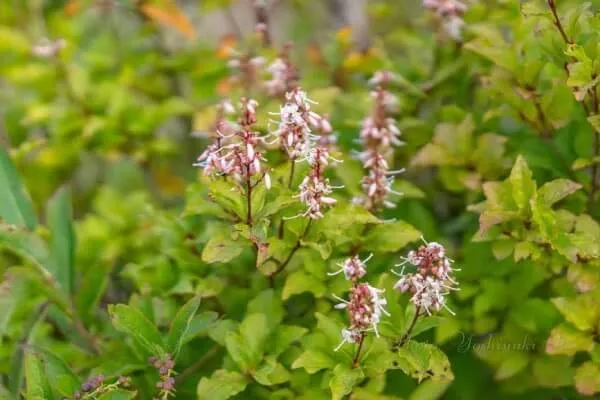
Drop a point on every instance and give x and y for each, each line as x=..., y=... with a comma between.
x=169, y=14
x=314, y=54
x=344, y=36
x=224, y=87
x=72, y=7
x=226, y=46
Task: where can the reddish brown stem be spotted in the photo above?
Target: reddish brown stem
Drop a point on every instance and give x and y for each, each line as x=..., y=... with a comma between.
x=557, y=22
x=248, y=196
x=405, y=338
x=356, y=360
x=292, y=252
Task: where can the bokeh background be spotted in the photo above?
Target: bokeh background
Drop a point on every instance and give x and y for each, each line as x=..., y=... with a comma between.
x=114, y=99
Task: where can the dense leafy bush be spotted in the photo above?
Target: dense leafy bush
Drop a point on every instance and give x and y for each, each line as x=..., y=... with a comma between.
x=295, y=258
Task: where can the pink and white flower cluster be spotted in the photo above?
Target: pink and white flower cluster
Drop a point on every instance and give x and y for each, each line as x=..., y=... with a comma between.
x=315, y=188
x=450, y=14
x=366, y=303
x=47, y=48
x=237, y=154
x=247, y=69
x=432, y=280
x=296, y=125
x=284, y=74
x=364, y=308
x=353, y=268
x=379, y=134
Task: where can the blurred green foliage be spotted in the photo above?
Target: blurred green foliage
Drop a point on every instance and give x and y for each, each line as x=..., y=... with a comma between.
x=115, y=249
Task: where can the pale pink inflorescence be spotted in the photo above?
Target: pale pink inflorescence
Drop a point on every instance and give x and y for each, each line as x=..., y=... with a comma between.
x=246, y=69
x=315, y=189
x=365, y=305
x=378, y=136
x=297, y=124
x=284, y=74
x=353, y=268
x=449, y=12
x=433, y=279
x=295, y=135
x=364, y=308
x=211, y=160
x=237, y=153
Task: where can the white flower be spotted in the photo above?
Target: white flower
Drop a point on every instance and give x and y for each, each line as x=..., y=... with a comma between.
x=381, y=78
x=453, y=26
x=349, y=336
x=450, y=12
x=353, y=268
x=47, y=48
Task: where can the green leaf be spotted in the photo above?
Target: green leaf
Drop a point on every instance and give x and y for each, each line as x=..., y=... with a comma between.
x=30, y=330
x=329, y=327
x=37, y=386
x=344, y=380
x=284, y=198
x=503, y=248
x=594, y=120
x=523, y=185
x=300, y=282
x=284, y=337
x=557, y=190
x=490, y=44
x=513, y=364
x=270, y=373
x=221, y=385
x=390, y=237
x=313, y=361
x=221, y=249
x=425, y=324
x=13, y=40
x=220, y=329
x=268, y=303
x=132, y=322
x=429, y=390
x=581, y=311
x=408, y=189
x=566, y=340
x=8, y=305
x=424, y=360
x=45, y=286
x=247, y=346
x=340, y=219
x=90, y=290
x=118, y=394
x=227, y=196
x=180, y=326
x=60, y=375
x=15, y=206
x=62, y=242
x=351, y=173
x=255, y=331
x=553, y=371
x=587, y=378
x=377, y=358
x=239, y=352
x=26, y=244
x=323, y=247
x=200, y=325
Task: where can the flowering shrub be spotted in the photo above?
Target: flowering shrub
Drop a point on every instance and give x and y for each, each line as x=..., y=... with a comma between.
x=319, y=218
